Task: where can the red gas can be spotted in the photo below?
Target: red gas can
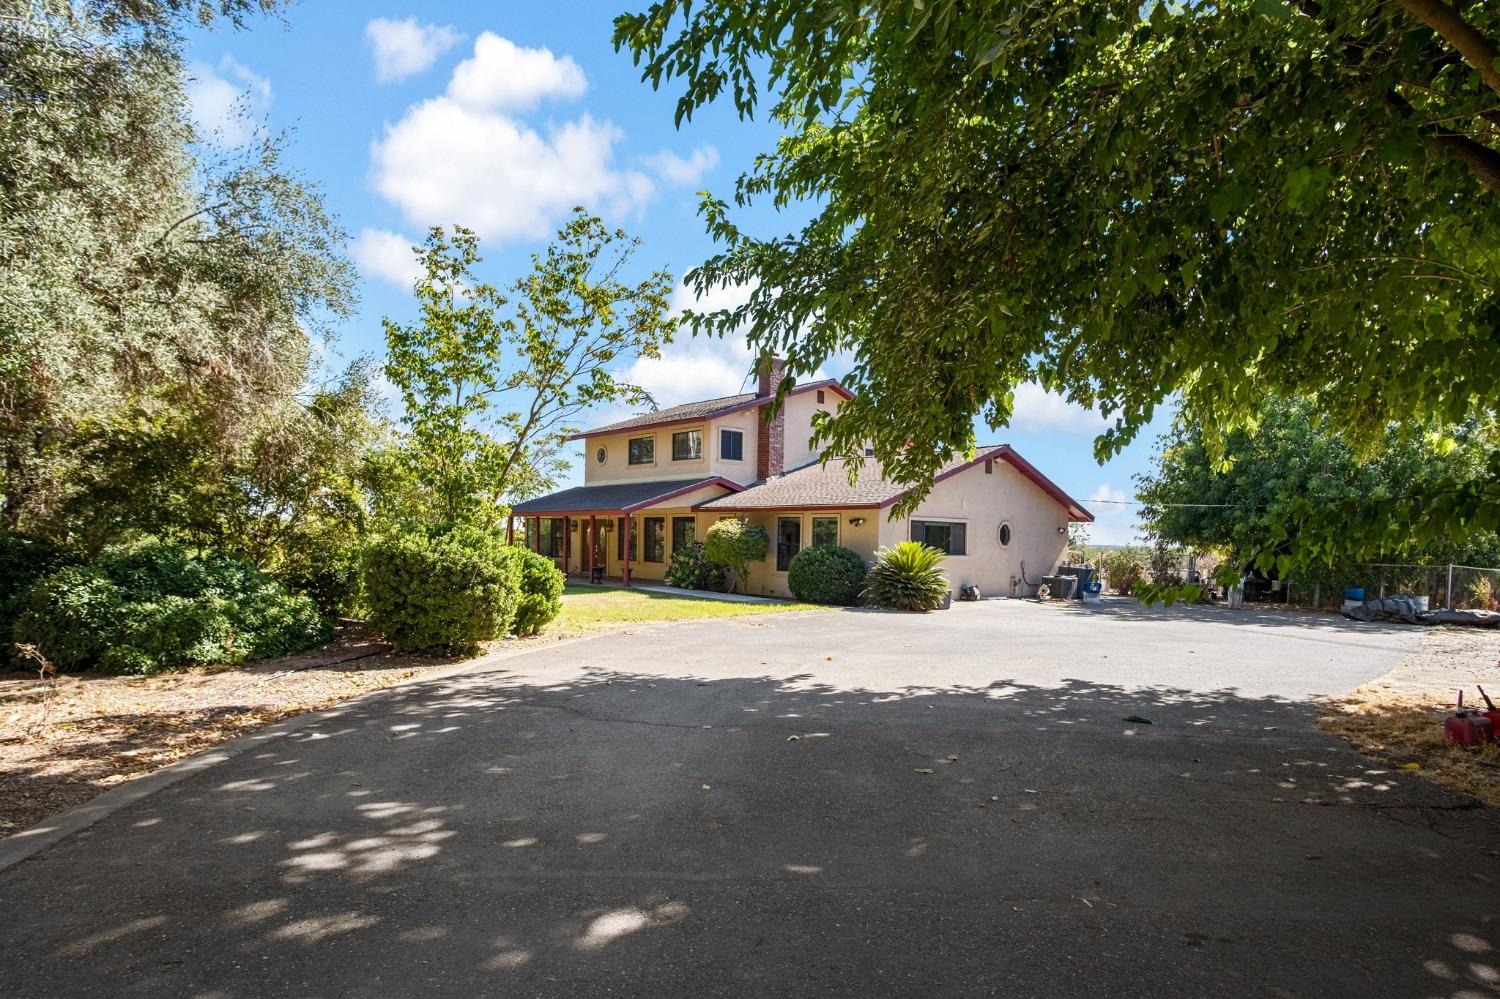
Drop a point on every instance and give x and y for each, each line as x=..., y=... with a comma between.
x=1468, y=728
x=1493, y=713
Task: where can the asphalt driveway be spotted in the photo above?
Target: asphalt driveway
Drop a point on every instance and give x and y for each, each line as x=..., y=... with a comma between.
x=848, y=803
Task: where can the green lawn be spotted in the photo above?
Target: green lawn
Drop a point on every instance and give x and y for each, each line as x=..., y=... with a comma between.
x=599, y=608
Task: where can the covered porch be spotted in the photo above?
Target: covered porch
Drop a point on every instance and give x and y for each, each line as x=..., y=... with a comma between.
x=621, y=532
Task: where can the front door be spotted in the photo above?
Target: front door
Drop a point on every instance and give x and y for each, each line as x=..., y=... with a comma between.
x=601, y=548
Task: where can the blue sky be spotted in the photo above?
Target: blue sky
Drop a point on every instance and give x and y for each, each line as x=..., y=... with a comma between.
x=502, y=117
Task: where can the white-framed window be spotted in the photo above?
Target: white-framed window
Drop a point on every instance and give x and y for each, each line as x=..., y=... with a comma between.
x=731, y=444
x=947, y=536
x=687, y=445
x=642, y=451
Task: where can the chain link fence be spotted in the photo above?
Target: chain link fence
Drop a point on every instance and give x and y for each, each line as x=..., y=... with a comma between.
x=1457, y=587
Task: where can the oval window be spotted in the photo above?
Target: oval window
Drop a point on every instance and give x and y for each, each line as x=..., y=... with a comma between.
x=600, y=455
x=1004, y=535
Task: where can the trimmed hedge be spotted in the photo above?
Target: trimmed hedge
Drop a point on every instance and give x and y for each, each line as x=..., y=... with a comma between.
x=736, y=543
x=692, y=569
x=162, y=606
x=907, y=577
x=826, y=574
x=442, y=592
x=541, y=585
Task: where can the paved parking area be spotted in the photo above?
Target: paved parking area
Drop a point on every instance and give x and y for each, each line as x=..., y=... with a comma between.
x=850, y=803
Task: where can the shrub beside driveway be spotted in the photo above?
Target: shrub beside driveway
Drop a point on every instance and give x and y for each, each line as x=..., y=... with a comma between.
x=64, y=741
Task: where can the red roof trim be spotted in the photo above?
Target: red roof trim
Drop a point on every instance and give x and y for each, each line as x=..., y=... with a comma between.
x=1076, y=512
x=717, y=480
x=826, y=383
x=788, y=506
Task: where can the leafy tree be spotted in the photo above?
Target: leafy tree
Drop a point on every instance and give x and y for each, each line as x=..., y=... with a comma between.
x=136, y=276
x=492, y=384
x=1125, y=202
x=736, y=543
x=1291, y=480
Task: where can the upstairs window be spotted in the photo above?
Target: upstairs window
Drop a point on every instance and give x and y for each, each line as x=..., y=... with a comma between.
x=731, y=445
x=687, y=445
x=945, y=536
x=642, y=450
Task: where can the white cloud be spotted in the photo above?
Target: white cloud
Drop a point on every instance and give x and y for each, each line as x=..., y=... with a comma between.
x=406, y=48
x=227, y=101
x=503, y=76
x=387, y=255
x=701, y=367
x=1114, y=517
x=1038, y=409
x=682, y=171
x=463, y=158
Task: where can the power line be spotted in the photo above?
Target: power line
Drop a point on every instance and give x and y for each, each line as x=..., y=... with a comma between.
x=1196, y=506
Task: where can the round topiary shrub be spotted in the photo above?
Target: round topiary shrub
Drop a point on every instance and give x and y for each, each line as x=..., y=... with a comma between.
x=692, y=569
x=442, y=592
x=736, y=543
x=826, y=574
x=907, y=577
x=163, y=606
x=541, y=592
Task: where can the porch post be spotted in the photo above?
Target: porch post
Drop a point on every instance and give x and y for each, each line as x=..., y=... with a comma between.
x=567, y=545
x=510, y=529
x=625, y=545
x=593, y=543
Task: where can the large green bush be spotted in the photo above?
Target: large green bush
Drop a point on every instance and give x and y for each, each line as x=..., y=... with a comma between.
x=826, y=574
x=907, y=577
x=541, y=592
x=692, y=569
x=162, y=606
x=736, y=543
x=1123, y=568
x=445, y=591
x=23, y=560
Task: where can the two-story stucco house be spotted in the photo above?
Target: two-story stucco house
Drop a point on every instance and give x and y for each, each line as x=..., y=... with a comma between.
x=663, y=478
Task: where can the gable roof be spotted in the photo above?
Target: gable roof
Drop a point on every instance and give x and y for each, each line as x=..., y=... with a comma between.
x=706, y=409
x=816, y=485
x=616, y=497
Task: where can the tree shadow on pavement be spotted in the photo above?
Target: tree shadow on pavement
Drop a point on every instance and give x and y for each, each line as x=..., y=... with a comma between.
x=605, y=832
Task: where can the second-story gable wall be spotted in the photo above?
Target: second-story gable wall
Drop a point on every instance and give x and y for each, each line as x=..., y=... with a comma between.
x=799, y=411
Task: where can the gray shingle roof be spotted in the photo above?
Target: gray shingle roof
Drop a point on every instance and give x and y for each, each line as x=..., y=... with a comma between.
x=610, y=496
x=686, y=411
x=816, y=484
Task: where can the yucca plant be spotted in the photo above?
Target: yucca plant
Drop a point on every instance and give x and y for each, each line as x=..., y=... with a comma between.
x=907, y=577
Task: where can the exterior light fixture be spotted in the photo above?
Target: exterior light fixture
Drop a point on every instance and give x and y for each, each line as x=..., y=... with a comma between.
x=1062, y=530
x=856, y=522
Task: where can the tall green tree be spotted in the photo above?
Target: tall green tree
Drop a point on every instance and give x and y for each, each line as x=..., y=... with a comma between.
x=1290, y=480
x=492, y=383
x=1125, y=202
x=137, y=274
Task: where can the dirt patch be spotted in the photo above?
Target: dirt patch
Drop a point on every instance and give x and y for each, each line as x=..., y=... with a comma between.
x=64, y=741
x=1398, y=718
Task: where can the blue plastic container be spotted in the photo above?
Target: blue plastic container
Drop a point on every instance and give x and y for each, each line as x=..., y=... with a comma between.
x=1354, y=593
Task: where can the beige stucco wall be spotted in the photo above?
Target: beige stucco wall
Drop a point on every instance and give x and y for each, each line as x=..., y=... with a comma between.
x=617, y=467
x=745, y=422
x=983, y=502
x=799, y=410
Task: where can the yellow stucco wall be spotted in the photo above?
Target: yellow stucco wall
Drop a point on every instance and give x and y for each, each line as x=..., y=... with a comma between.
x=799, y=410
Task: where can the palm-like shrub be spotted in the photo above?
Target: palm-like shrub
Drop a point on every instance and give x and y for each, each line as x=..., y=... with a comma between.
x=907, y=577
x=444, y=591
x=826, y=574
x=541, y=592
x=736, y=543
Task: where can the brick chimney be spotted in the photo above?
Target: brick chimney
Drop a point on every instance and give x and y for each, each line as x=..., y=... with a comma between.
x=770, y=454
